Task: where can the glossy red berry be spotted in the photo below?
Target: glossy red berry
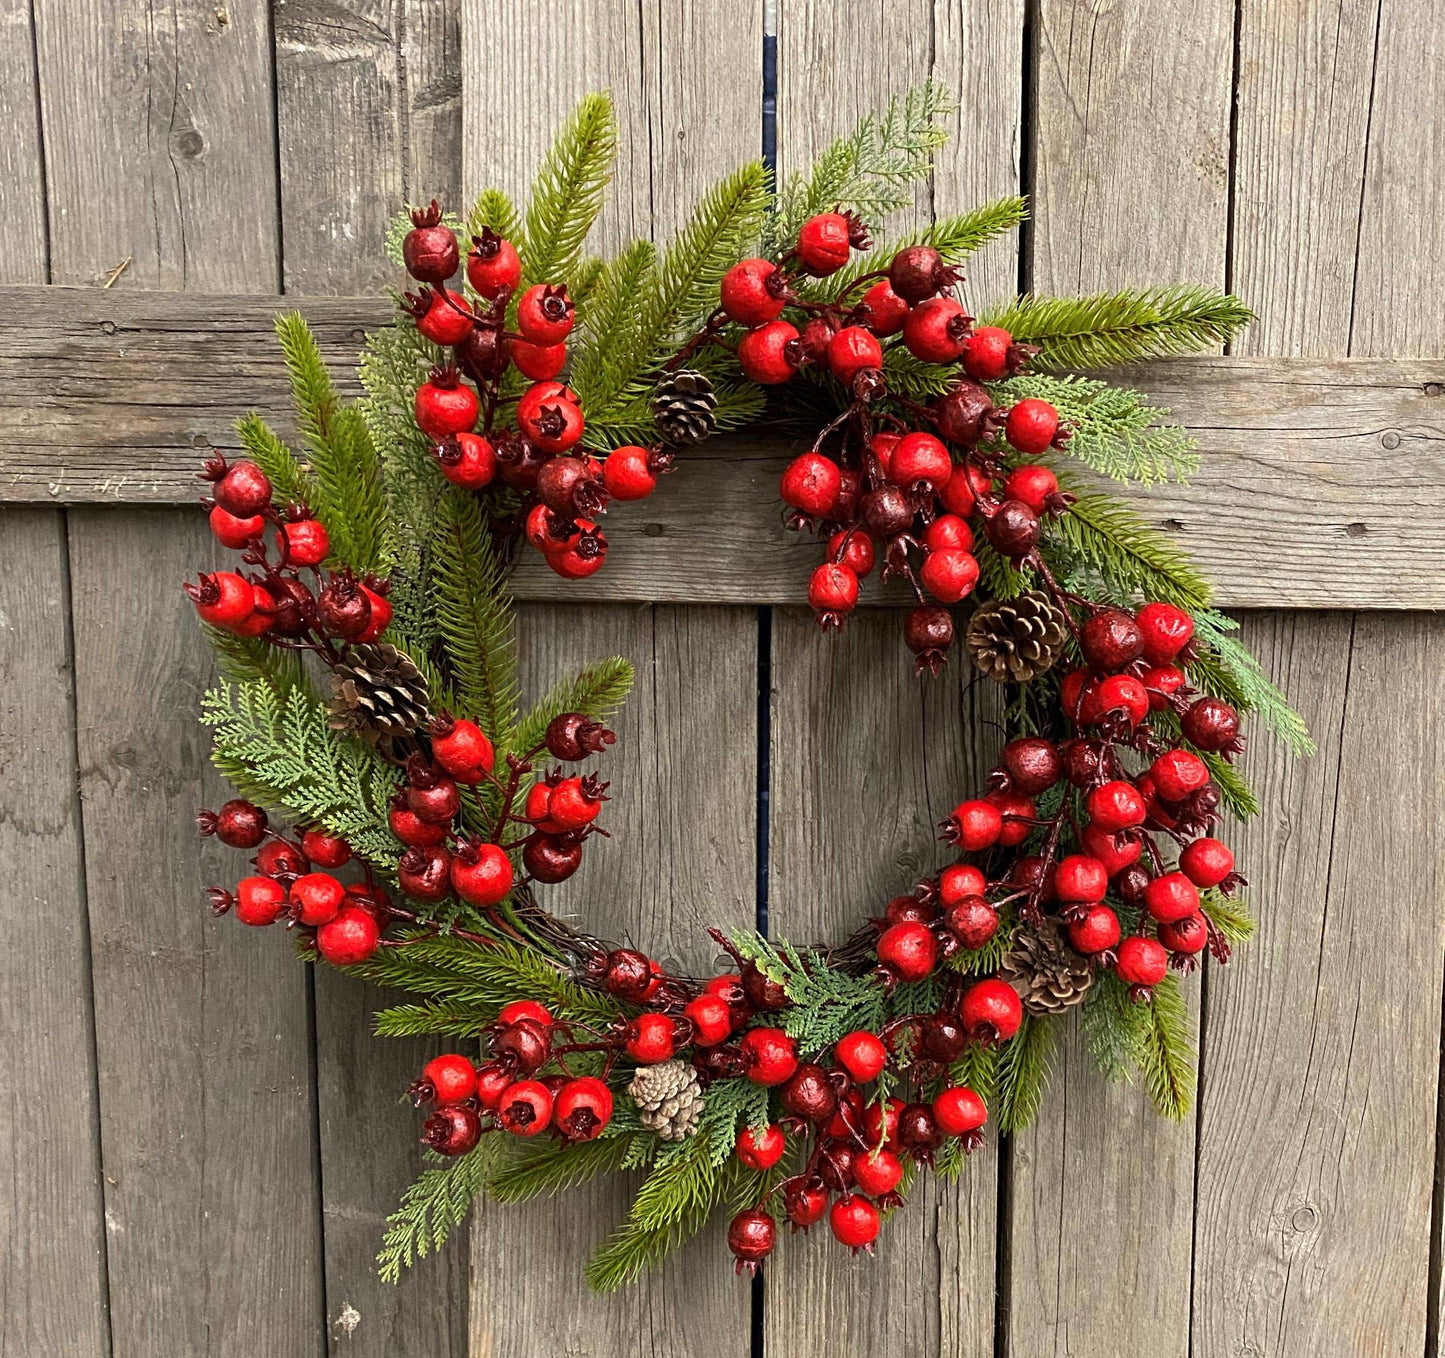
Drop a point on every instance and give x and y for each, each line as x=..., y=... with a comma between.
x=493, y=268
x=1177, y=773
x=1116, y=805
x=1142, y=962
x=243, y=490
x=1097, y=931
x=259, y=900
x=582, y=1108
x=752, y=1234
x=810, y=484
x=805, y=1203
x=239, y=824
x=1212, y=725
x=884, y=310
x=909, y=950
x=1017, y=812
x=539, y=362
x=1031, y=427
x=1033, y=484
x=1206, y=862
x=651, y=1038
x=991, y=1011
x=1166, y=631
x=854, y=1222
x=1032, y=764
x=1080, y=878
x=853, y=350
x=936, y=329
x=974, y=825
x=833, y=589
x=949, y=574
x=525, y=1108
x=958, y=1111
x=761, y=1150
x=452, y=1130
x=277, y=858
x=545, y=314
x=768, y=354
x=429, y=250
x=316, y=898
x=447, y=320
x=712, y=1019
x=234, y=532
x=747, y=296
x=628, y=473
x=862, y=1054
x=481, y=874
x=575, y=802
x=444, y=404
x=1122, y=695
x=824, y=243
x=449, y=1078
x=770, y=1055
x=424, y=872
x=854, y=549
x=948, y=530
x=349, y=938
x=986, y=353
x=1171, y=897
x=223, y=599
x=325, y=850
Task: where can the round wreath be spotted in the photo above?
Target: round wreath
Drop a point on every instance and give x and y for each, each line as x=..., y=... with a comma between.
x=369, y=696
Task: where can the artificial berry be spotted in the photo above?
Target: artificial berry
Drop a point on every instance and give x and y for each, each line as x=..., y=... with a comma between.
x=833, y=589
x=949, y=574
x=928, y=633
x=987, y=354
x=349, y=938
x=429, y=250
x=234, y=532
x=884, y=310
x=854, y=1222
x=1185, y=937
x=1162, y=682
x=444, y=404
x=918, y=1132
x=972, y=921
x=768, y=354
x=912, y=908
x=853, y=548
x=447, y=319
x=582, y=1108
x=575, y=802
x=1171, y=897
x=810, y=484
x=958, y=880
x=761, y=1150
x=575, y=735
x=555, y=427
x=1018, y=812
x=1110, y=640
x=1031, y=427
x=523, y=1046
x=448, y=1078
x=651, y=1038
x=974, y=825
x=886, y=511
x=1177, y=773
x=1212, y=725
x=431, y=794
x=1012, y=530
x=492, y=1082
x=711, y=1018
x=378, y=617
x=452, y=1130
x=259, y=900
x=917, y=272
x=626, y=973
x=1166, y=631
x=1206, y=862
x=1079, y=698
x=277, y=858
x=461, y=747
x=920, y=462
x=862, y=1054
x=880, y=1122
x=628, y=473
x=243, y=490
x=545, y=314
x=770, y=1055
x=935, y=330
x=814, y=339
x=877, y=1172
x=1115, y=852
x=539, y=362
x=1116, y=805
x=1097, y=931
x=408, y=827
x=1033, y=484
x=1124, y=695
x=941, y=1039
x=809, y=1093
x=467, y=460
x=316, y=898
x=481, y=873
x=908, y=949
x=948, y=530
x=1142, y=962
x=306, y=541
x=806, y=1204
x=493, y=268
x=751, y=1237
x=525, y=1108
x=965, y=414
x=1080, y=878
x=326, y=851
x=824, y=243
x=424, y=872
x=1033, y=764
x=223, y=599
x=991, y=1011
x=239, y=824
x=853, y=350
x=750, y=293
x=958, y=1111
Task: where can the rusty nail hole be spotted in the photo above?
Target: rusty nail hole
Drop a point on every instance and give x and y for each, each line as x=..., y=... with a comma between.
x=1433, y=388
x=1355, y=530
x=1390, y=439
x=652, y=530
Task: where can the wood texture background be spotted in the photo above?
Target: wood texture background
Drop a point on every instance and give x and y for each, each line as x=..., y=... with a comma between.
x=201, y=1138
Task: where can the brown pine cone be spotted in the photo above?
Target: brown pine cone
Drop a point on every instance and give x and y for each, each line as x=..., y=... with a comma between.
x=683, y=406
x=1013, y=641
x=379, y=693
x=1047, y=973
x=669, y=1099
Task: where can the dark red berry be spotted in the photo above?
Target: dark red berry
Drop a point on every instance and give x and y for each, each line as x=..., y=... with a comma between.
x=1110, y=640
x=1032, y=764
x=452, y=1130
x=752, y=1234
x=429, y=250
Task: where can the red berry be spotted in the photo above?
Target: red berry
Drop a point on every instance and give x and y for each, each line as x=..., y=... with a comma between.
x=920, y=461
x=806, y=1204
x=862, y=1054
x=1096, y=932
x=885, y=310
x=1110, y=640
x=1080, y=878
x=918, y=271
x=317, y=897
x=908, y=949
x=1206, y=862
x=573, y=804
x=493, y=268
x=545, y=314
x=239, y=824
x=445, y=405
x=1031, y=427
x=575, y=563
x=554, y=427
x=1171, y=897
x=448, y=319
x=651, y=1038
x=223, y=599
x=492, y=1082
x=949, y=574
x=1116, y=806
x=810, y=484
x=768, y=354
x=960, y=493
x=243, y=490
x=1122, y=693
x=851, y=351
x=408, y=827
x=824, y=243
x=452, y=1130
x=628, y=473
x=880, y=1122
x=582, y=1108
x=307, y=542
x=1212, y=725
x=1177, y=773
x=525, y=1108
x=378, y=618
x=424, y=872
x=481, y=874
x=972, y=921
x=1162, y=682
x=854, y=1222
x=958, y=1111
x=948, y=530
x=463, y=750
x=1186, y=936
x=751, y=1237
x=986, y=353
x=1166, y=631
x=449, y=1078
x=349, y=938
x=991, y=1011
x=833, y=589
x=1017, y=811
x=974, y=825
x=770, y=1055
x=1032, y=484
x=259, y=900
x=856, y=548
x=1115, y=852
x=761, y=1150
x=233, y=532
x=540, y=362
x=429, y=250
x=746, y=296
x=712, y=1019
x=959, y=880
x=1142, y=962
x=326, y=851
x=276, y=857
x=877, y=1172
x=935, y=330
x=467, y=460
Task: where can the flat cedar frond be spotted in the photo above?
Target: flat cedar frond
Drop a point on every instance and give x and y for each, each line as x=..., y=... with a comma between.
x=1114, y=431
x=1250, y=688
x=1110, y=328
x=1023, y=1073
x=542, y=1168
x=494, y=211
x=431, y=1208
x=568, y=192
x=474, y=617
x=598, y=691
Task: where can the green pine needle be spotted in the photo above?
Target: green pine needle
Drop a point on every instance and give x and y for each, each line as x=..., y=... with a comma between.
x=568, y=192
x=598, y=691
x=544, y=1168
x=612, y=323
x=1154, y=1040
x=245, y=660
x=1023, y=1073
x=494, y=211
x=1245, y=683
x=1229, y=915
x=449, y=1018
x=1107, y=329
x=289, y=481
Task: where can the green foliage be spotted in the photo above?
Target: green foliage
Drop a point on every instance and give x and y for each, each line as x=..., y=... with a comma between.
x=1124, y=327
x=613, y=320
x=432, y=1207
x=978, y=1069
x=450, y=1018
x=826, y=1002
x=543, y=1167
x=346, y=481
x=1229, y=671
x=1154, y=1040
x=246, y=660
x=872, y=170
x=289, y=480
x=494, y=211
x=279, y=751
x=1023, y=1073
x=599, y=691
x=1229, y=915
x=568, y=192
x=1115, y=432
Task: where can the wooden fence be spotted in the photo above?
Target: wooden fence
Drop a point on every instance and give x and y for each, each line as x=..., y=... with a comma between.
x=200, y=1137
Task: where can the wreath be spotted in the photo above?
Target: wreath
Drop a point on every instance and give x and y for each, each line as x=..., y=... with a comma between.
x=369, y=698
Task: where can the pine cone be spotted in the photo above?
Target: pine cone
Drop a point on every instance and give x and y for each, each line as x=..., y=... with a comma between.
x=379, y=693
x=1016, y=640
x=669, y=1099
x=1048, y=974
x=683, y=406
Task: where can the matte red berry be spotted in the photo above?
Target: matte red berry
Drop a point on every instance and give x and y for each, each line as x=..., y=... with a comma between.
x=764, y=353
x=444, y=404
x=851, y=351
x=862, y=1054
x=429, y=250
x=651, y=1038
x=972, y=921
x=1096, y=932
x=1177, y=773
x=453, y=1130
x=949, y=574
x=958, y=1111
x=1166, y=631
x=1031, y=426
x=448, y=1078
x=325, y=850
x=1012, y=530
x=525, y=1108
x=824, y=244
x=448, y=319
x=880, y=1122
x=1186, y=936
x=1206, y=862
x=493, y=268
x=540, y=362
x=833, y=589
x=770, y=1055
x=1115, y=852
x=854, y=1222
x=986, y=353
x=935, y=330
x=317, y=898
x=576, y=563
x=746, y=296
x=877, y=1172
x=909, y=950
x=1142, y=962
x=462, y=749
x=884, y=310
x=1122, y=694
x=259, y=900
x=991, y=1011
x=917, y=272
x=810, y=484
x=761, y=1150
x=919, y=461
x=712, y=1019
x=752, y=1234
x=582, y=1108
x=492, y=1082
x=408, y=827
x=1171, y=897
x=482, y=874
x=627, y=473
x=948, y=530
x=223, y=599
x=1080, y=878
x=349, y=938
x=234, y=532
x=307, y=542
x=974, y=825
x=575, y=802
x=1116, y=805
x=545, y=314
x=1033, y=484
x=554, y=427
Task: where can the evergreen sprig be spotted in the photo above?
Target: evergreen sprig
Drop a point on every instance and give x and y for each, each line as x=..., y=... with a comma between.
x=1023, y=1073
x=434, y=1205
x=1133, y=324
x=1229, y=915
x=568, y=192
x=541, y=1168
x=1228, y=670
x=1154, y=1040
x=825, y=1002
x=598, y=691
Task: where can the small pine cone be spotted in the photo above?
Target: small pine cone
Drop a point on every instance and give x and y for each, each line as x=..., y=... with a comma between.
x=379, y=693
x=1013, y=641
x=1047, y=973
x=669, y=1099
x=683, y=406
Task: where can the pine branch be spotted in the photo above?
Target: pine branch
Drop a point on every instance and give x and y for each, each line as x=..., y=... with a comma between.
x=568, y=192
x=1229, y=915
x=1247, y=685
x=1107, y=329
x=977, y=1069
x=289, y=481
x=532, y=1169
x=1115, y=432
x=451, y=1018
x=431, y=1208
x=1165, y=1054
x=611, y=325
x=245, y=660
x=494, y=211
x=599, y=691
x=1023, y=1073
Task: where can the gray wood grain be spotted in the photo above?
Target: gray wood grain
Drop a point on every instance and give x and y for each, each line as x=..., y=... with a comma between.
x=205, y=1098
x=52, y=1271
x=22, y=169
x=159, y=135
x=865, y=761
x=1132, y=107
x=681, y=859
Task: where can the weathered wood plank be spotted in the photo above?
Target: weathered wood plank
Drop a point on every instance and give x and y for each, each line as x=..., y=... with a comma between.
x=22, y=167
x=1132, y=103
x=681, y=859
x=1312, y=474
x=52, y=1271
x=205, y=1099
x=865, y=761
x=159, y=135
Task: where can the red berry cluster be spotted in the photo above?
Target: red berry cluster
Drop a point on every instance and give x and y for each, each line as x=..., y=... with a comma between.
x=564, y=489
x=897, y=478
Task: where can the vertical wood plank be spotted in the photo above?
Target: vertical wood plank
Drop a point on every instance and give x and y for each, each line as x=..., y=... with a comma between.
x=22, y=168
x=159, y=136
x=1132, y=105
x=687, y=85
x=1321, y=1236
x=206, y=1101
x=845, y=836
x=52, y=1271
